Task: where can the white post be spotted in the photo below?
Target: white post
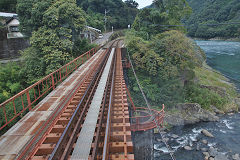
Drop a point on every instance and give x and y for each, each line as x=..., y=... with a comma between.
x=112, y=29
x=105, y=19
x=90, y=36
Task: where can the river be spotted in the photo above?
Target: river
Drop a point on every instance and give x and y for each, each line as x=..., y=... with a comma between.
x=224, y=57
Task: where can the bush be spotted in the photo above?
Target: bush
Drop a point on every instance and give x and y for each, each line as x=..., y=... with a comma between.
x=205, y=97
x=12, y=80
x=81, y=46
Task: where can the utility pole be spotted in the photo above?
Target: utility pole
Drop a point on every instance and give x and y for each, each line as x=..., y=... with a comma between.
x=105, y=19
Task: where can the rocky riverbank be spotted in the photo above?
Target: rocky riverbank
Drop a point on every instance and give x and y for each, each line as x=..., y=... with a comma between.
x=192, y=113
x=187, y=136
x=189, y=113
x=202, y=141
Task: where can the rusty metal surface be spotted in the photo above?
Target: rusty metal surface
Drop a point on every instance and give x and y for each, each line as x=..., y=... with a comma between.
x=50, y=130
x=64, y=146
x=50, y=139
x=18, y=136
x=83, y=145
x=118, y=143
x=25, y=100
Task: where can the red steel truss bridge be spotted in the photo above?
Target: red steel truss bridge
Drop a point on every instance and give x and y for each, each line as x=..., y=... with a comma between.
x=80, y=111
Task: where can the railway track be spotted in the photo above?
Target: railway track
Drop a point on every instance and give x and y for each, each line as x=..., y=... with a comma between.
x=112, y=136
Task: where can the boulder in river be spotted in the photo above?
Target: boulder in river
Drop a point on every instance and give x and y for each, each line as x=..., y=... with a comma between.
x=204, y=149
x=206, y=155
x=188, y=148
x=204, y=141
x=217, y=155
x=206, y=133
x=217, y=111
x=236, y=157
x=189, y=113
x=175, y=136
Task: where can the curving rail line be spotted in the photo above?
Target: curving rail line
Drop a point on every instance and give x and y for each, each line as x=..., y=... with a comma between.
x=58, y=138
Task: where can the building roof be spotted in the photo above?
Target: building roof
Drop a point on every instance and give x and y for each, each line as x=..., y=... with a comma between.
x=13, y=22
x=3, y=14
x=95, y=29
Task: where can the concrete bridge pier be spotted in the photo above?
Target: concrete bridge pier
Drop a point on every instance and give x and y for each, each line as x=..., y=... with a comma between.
x=143, y=145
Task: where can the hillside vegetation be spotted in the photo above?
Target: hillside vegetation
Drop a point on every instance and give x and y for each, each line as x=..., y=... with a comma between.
x=8, y=6
x=214, y=12
x=170, y=66
x=119, y=13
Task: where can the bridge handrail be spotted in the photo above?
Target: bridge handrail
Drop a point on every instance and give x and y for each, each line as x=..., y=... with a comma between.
x=143, y=126
x=33, y=93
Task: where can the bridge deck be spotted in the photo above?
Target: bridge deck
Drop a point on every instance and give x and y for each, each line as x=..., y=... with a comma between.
x=13, y=141
x=83, y=145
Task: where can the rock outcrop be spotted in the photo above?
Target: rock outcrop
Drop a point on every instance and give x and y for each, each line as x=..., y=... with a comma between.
x=189, y=113
x=206, y=133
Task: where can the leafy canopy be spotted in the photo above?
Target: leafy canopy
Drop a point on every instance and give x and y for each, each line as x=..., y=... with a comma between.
x=8, y=6
x=54, y=37
x=162, y=16
x=119, y=13
x=214, y=12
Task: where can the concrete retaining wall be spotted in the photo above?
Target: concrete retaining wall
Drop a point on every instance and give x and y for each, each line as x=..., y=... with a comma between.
x=9, y=48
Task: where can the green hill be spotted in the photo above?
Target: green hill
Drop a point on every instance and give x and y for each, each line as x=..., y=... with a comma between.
x=119, y=13
x=224, y=14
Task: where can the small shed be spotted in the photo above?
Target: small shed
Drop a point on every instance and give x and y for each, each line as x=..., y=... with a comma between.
x=90, y=33
x=13, y=28
x=12, y=23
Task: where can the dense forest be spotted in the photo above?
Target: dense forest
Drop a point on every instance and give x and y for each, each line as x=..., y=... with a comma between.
x=212, y=19
x=119, y=13
x=170, y=66
x=167, y=62
x=8, y=6
x=53, y=35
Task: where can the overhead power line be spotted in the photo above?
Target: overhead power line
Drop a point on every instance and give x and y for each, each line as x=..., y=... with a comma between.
x=171, y=153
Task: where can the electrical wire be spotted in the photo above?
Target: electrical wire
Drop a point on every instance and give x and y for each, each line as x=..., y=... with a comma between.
x=149, y=108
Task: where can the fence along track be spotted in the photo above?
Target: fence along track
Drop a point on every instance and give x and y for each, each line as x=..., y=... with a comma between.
x=40, y=138
x=59, y=139
x=73, y=115
x=23, y=101
x=53, y=143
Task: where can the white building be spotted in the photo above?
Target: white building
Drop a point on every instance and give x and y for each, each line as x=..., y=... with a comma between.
x=90, y=33
x=12, y=23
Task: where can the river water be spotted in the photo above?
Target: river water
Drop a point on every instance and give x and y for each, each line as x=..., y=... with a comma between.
x=224, y=57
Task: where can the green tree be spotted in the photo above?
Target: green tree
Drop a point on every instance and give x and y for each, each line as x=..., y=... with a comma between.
x=163, y=16
x=11, y=80
x=52, y=44
x=119, y=14
x=165, y=65
x=131, y=3
x=208, y=15
x=8, y=6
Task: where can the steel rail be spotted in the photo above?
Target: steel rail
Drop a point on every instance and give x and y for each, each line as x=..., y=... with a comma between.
x=95, y=151
x=38, y=138
x=65, y=144
x=61, y=150
x=106, y=139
